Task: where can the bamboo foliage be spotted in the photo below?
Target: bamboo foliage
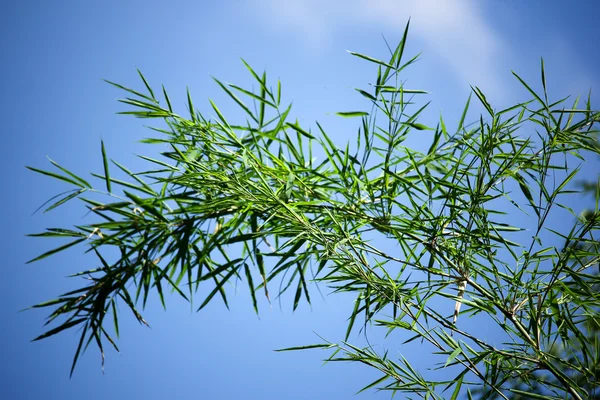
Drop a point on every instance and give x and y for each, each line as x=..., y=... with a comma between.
x=278, y=205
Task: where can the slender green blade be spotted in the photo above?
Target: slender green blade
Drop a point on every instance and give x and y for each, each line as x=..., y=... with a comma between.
x=56, y=176
x=483, y=100
x=351, y=114
x=310, y=346
x=236, y=99
x=65, y=199
x=167, y=99
x=66, y=325
x=105, y=163
x=72, y=175
x=78, y=351
x=251, y=287
x=191, y=105
x=371, y=59
x=146, y=84
x=57, y=250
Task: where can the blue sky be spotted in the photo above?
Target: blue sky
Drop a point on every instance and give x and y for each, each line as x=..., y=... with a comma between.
x=55, y=55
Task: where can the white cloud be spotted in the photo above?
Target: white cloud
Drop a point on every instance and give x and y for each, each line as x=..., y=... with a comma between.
x=455, y=30
x=306, y=17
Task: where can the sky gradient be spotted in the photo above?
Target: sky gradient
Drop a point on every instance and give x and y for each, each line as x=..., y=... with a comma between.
x=56, y=104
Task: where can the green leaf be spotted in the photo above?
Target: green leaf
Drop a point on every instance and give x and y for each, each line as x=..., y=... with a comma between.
x=452, y=356
x=374, y=383
x=544, y=80
x=464, y=114
x=219, y=288
x=167, y=99
x=532, y=395
x=419, y=127
x=352, y=317
x=236, y=99
x=161, y=163
x=371, y=59
x=105, y=163
x=261, y=269
x=191, y=105
x=147, y=188
x=113, y=305
x=147, y=114
x=366, y=94
x=52, y=302
x=401, y=90
x=146, y=205
x=141, y=188
x=525, y=189
x=129, y=90
x=278, y=92
x=146, y=84
x=65, y=199
x=301, y=131
x=78, y=351
x=72, y=175
x=544, y=104
x=58, y=232
x=66, y=325
x=262, y=100
x=263, y=94
x=567, y=180
x=57, y=176
x=298, y=294
x=220, y=115
x=483, y=100
x=350, y=114
x=311, y=346
x=251, y=287
x=57, y=250
x=397, y=56
x=457, y=388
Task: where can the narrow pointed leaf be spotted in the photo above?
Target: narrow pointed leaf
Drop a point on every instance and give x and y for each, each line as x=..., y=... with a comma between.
x=66, y=325
x=57, y=250
x=105, y=163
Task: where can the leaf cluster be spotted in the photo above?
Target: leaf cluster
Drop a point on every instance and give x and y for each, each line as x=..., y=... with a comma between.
x=269, y=201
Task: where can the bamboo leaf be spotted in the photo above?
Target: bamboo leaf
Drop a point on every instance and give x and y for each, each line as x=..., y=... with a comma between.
x=72, y=175
x=65, y=199
x=129, y=90
x=78, y=351
x=457, y=388
x=167, y=99
x=301, y=131
x=452, y=356
x=483, y=100
x=352, y=317
x=191, y=105
x=57, y=250
x=419, y=127
x=251, y=287
x=66, y=325
x=236, y=99
x=371, y=59
x=366, y=94
x=308, y=347
x=351, y=114
x=105, y=163
x=219, y=288
x=57, y=176
x=147, y=85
